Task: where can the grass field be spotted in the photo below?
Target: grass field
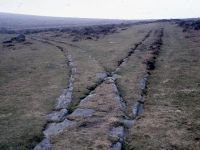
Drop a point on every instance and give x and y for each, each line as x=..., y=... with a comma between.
x=30, y=83
x=171, y=118
x=106, y=86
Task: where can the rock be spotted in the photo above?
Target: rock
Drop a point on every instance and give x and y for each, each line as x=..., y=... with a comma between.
x=70, y=62
x=70, y=88
x=69, y=57
x=57, y=116
x=128, y=123
x=73, y=71
x=116, y=76
x=117, y=134
x=120, y=103
x=117, y=146
x=109, y=80
x=101, y=76
x=138, y=109
x=19, y=38
x=125, y=60
x=79, y=112
x=86, y=99
x=63, y=101
x=56, y=128
x=44, y=145
x=141, y=100
x=115, y=90
x=116, y=70
x=118, y=99
x=143, y=84
x=113, y=139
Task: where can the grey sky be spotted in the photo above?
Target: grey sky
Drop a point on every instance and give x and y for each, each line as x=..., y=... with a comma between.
x=116, y=9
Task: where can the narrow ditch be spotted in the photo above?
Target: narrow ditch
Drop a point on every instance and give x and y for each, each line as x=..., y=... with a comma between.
x=57, y=121
x=126, y=122
x=122, y=131
x=154, y=48
x=124, y=60
x=118, y=132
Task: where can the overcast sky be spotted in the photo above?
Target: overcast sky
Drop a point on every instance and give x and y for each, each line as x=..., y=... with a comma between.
x=115, y=9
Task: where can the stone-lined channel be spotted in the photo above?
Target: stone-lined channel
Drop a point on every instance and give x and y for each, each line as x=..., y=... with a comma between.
x=57, y=121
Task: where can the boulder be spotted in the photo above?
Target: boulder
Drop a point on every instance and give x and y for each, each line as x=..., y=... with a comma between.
x=57, y=116
x=79, y=112
x=43, y=145
x=57, y=128
x=19, y=38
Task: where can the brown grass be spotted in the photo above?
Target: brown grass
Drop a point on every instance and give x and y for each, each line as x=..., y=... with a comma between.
x=92, y=132
x=112, y=48
x=30, y=82
x=92, y=56
x=33, y=75
x=134, y=71
x=172, y=110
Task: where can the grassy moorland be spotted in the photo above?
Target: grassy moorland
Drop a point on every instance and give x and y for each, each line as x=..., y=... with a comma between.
x=171, y=117
x=98, y=56
x=109, y=61
x=32, y=76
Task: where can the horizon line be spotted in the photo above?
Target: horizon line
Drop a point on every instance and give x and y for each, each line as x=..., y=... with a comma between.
x=120, y=19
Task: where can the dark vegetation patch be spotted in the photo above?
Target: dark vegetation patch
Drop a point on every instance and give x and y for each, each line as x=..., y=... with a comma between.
x=155, y=49
x=77, y=33
x=19, y=39
x=189, y=24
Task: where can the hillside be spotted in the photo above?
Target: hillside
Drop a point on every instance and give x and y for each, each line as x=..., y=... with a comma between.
x=104, y=85
x=19, y=22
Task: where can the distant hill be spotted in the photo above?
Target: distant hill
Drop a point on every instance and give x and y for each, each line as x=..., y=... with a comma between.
x=18, y=22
